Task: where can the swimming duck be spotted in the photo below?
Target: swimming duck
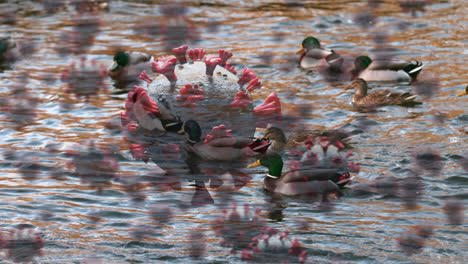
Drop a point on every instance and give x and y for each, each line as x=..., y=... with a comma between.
x=379, y=97
x=219, y=146
x=8, y=50
x=279, y=141
x=464, y=92
x=128, y=66
x=311, y=53
x=298, y=181
x=382, y=70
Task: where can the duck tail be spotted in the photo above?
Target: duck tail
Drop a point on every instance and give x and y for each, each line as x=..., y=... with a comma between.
x=409, y=100
x=413, y=69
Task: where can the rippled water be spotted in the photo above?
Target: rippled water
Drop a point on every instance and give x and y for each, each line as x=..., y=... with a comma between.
x=263, y=35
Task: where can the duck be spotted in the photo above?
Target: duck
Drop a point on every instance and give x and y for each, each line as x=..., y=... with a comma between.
x=127, y=66
x=464, y=92
x=385, y=70
x=300, y=181
x=379, y=97
x=8, y=50
x=311, y=53
x=280, y=143
x=220, y=145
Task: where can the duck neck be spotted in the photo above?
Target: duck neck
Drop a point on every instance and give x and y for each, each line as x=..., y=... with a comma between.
x=278, y=146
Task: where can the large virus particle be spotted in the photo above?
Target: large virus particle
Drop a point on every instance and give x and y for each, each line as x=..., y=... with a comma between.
x=22, y=244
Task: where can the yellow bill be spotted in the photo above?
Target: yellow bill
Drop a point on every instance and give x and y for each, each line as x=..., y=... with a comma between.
x=255, y=164
x=462, y=93
x=300, y=50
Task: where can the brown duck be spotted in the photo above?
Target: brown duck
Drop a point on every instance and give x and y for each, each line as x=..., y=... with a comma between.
x=379, y=97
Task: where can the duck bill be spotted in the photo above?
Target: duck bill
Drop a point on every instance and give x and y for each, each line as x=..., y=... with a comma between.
x=462, y=93
x=300, y=50
x=114, y=67
x=181, y=131
x=255, y=164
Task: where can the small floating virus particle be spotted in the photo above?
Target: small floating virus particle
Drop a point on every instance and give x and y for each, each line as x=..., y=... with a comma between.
x=90, y=5
x=161, y=213
x=173, y=28
x=413, y=240
x=86, y=79
x=273, y=246
x=197, y=244
x=239, y=226
x=428, y=158
x=12, y=50
x=411, y=190
x=455, y=211
x=413, y=6
x=22, y=244
x=365, y=18
x=80, y=38
x=96, y=167
x=426, y=86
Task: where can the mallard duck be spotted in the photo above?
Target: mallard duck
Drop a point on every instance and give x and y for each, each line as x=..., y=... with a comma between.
x=385, y=70
x=8, y=50
x=127, y=66
x=300, y=180
x=464, y=92
x=221, y=146
x=311, y=53
x=379, y=97
x=279, y=141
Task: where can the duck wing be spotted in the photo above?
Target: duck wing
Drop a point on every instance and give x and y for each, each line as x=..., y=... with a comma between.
x=298, y=188
x=233, y=142
x=388, y=97
x=310, y=174
x=210, y=153
x=137, y=57
x=318, y=53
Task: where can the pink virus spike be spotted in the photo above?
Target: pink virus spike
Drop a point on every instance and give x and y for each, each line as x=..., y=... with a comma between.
x=324, y=143
x=180, y=53
x=247, y=76
x=124, y=119
x=246, y=255
x=211, y=63
x=242, y=100
x=138, y=152
x=339, y=145
x=165, y=65
x=217, y=132
x=148, y=104
x=309, y=143
x=230, y=68
x=190, y=94
x=196, y=54
x=353, y=167
x=224, y=55
x=270, y=107
x=294, y=164
x=254, y=84
x=144, y=77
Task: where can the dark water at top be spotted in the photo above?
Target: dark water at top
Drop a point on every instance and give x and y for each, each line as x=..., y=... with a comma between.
x=264, y=36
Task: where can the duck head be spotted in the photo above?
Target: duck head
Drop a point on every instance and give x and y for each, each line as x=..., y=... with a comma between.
x=360, y=64
x=121, y=59
x=192, y=131
x=360, y=85
x=6, y=44
x=465, y=92
x=273, y=162
x=308, y=44
x=277, y=135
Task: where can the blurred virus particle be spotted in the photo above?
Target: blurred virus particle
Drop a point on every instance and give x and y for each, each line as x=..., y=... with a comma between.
x=455, y=211
x=413, y=6
x=238, y=226
x=161, y=213
x=428, y=158
x=335, y=68
x=173, y=27
x=52, y=6
x=142, y=232
x=413, y=240
x=80, y=36
x=20, y=107
x=197, y=244
x=426, y=86
x=411, y=190
x=8, y=14
x=463, y=161
x=440, y=117
x=96, y=167
x=86, y=79
x=22, y=244
x=365, y=18
x=90, y=5
x=12, y=50
x=273, y=246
